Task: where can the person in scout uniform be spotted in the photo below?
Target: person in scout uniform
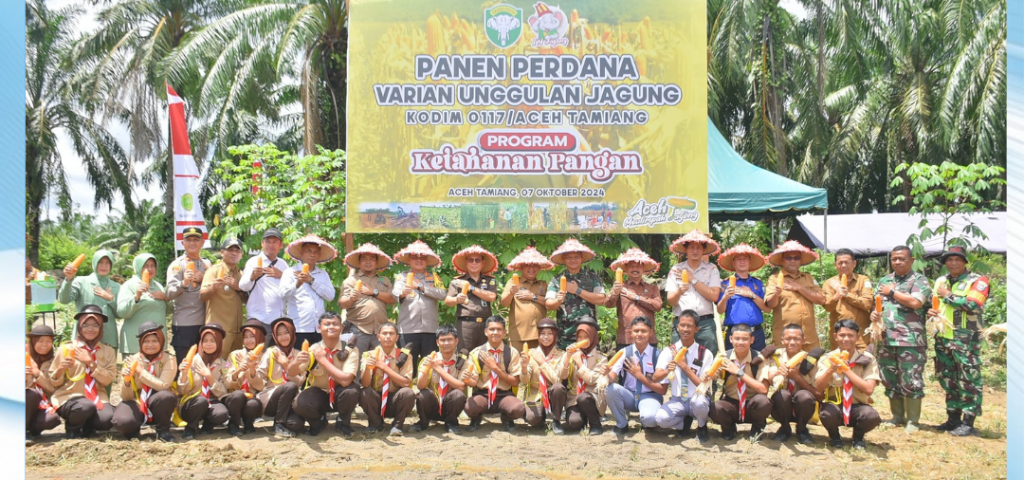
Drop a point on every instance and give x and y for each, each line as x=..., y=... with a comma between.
x=849, y=387
x=146, y=394
x=78, y=370
x=243, y=380
x=744, y=398
x=201, y=385
x=903, y=349
x=330, y=383
x=40, y=415
x=305, y=287
x=792, y=390
x=475, y=266
x=637, y=391
x=855, y=299
x=962, y=294
x=222, y=295
x=417, y=301
x=386, y=380
x=366, y=308
x=525, y=299
x=494, y=368
x=583, y=289
x=744, y=303
x=282, y=369
x=544, y=368
x=684, y=403
x=442, y=393
x=585, y=398
x=794, y=299
x=633, y=297
x=183, y=286
x=700, y=290
x=139, y=302
x=97, y=288
x=261, y=279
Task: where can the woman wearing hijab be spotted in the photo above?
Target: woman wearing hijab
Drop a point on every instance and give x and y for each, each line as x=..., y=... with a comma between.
x=200, y=383
x=146, y=396
x=283, y=369
x=40, y=415
x=97, y=289
x=138, y=303
x=244, y=381
x=78, y=371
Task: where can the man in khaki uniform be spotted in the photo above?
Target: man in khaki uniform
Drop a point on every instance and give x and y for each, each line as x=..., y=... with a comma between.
x=367, y=307
x=525, y=298
x=848, y=388
x=442, y=393
x=222, y=295
x=852, y=299
x=791, y=390
x=330, y=383
x=744, y=402
x=793, y=300
x=494, y=368
x=386, y=369
x=475, y=265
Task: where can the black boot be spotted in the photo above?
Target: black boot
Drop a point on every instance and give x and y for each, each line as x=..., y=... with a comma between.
x=835, y=440
x=952, y=421
x=966, y=428
x=234, y=429
x=248, y=426
x=858, y=440
x=190, y=433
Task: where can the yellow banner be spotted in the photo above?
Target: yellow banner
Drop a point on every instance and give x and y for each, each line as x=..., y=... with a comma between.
x=526, y=116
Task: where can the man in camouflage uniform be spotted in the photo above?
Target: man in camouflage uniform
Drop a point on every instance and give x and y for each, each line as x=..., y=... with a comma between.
x=903, y=350
x=583, y=291
x=962, y=296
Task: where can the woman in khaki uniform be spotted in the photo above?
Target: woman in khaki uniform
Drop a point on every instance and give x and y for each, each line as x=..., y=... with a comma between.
x=283, y=369
x=544, y=368
x=79, y=373
x=146, y=395
x=200, y=384
x=40, y=415
x=585, y=400
x=244, y=381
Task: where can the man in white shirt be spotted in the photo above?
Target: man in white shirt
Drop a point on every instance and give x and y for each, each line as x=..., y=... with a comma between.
x=305, y=287
x=700, y=290
x=263, y=283
x=685, y=403
x=631, y=384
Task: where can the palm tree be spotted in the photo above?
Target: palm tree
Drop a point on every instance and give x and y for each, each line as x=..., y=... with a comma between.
x=263, y=45
x=125, y=232
x=51, y=107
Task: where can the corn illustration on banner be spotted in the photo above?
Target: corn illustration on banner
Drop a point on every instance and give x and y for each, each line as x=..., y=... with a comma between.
x=527, y=116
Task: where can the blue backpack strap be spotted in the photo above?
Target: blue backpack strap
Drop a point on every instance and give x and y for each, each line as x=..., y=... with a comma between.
x=621, y=379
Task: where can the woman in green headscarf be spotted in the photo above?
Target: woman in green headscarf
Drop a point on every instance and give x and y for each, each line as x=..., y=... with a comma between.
x=140, y=302
x=96, y=288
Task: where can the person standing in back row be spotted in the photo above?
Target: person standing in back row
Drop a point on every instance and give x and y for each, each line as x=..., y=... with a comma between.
x=794, y=299
x=183, y=285
x=700, y=290
x=471, y=309
x=261, y=279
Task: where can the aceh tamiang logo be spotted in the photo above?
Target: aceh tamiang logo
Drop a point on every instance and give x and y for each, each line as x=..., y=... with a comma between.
x=503, y=24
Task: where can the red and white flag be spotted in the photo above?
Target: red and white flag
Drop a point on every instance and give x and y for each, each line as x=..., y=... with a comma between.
x=187, y=210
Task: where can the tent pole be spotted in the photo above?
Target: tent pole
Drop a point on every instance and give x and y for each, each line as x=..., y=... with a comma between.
x=821, y=267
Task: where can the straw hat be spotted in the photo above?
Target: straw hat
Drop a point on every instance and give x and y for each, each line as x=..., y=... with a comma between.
x=756, y=259
x=806, y=255
x=530, y=256
x=383, y=260
x=572, y=246
x=636, y=255
x=327, y=251
x=490, y=261
x=418, y=248
x=695, y=235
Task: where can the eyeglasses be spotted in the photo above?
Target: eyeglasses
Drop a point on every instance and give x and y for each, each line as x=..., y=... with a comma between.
x=475, y=260
x=791, y=258
x=90, y=326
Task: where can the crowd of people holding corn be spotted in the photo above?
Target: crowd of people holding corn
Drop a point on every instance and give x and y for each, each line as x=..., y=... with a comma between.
x=290, y=359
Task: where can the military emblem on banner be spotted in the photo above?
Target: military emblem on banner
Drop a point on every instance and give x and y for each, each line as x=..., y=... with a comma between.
x=504, y=25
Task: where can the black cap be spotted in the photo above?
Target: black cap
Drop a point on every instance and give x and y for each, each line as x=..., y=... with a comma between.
x=40, y=331
x=547, y=323
x=148, y=327
x=273, y=232
x=254, y=323
x=192, y=232
x=588, y=320
x=231, y=242
x=91, y=309
x=954, y=251
x=212, y=326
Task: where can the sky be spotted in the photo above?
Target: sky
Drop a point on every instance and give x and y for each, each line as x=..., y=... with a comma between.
x=82, y=191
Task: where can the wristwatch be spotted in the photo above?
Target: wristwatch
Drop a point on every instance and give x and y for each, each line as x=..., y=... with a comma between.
x=535, y=297
x=636, y=298
x=375, y=292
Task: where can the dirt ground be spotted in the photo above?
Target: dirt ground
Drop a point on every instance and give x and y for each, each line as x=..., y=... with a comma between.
x=491, y=453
